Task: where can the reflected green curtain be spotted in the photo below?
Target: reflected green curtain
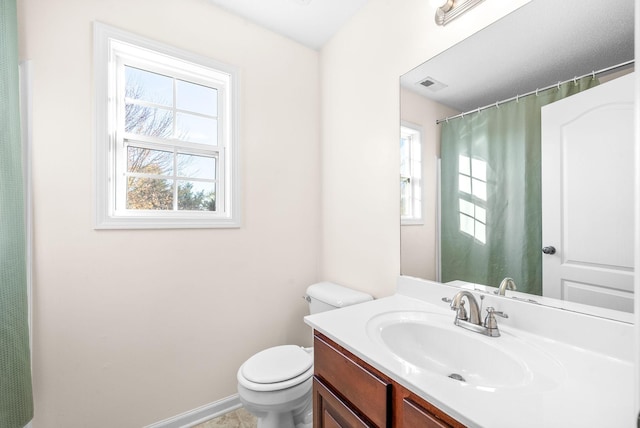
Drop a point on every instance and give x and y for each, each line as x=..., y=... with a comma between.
x=491, y=215
x=16, y=403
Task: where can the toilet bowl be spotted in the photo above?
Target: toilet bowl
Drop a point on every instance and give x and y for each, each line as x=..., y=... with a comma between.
x=275, y=384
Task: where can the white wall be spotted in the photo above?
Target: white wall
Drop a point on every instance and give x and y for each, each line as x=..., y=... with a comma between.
x=637, y=224
x=418, y=242
x=360, y=68
x=131, y=327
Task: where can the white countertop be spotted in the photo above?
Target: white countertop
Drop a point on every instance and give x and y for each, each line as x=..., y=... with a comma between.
x=594, y=387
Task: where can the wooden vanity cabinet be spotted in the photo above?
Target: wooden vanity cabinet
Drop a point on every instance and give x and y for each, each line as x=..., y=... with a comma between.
x=348, y=393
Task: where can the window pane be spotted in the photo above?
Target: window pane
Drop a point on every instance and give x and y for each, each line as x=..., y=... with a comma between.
x=153, y=122
x=197, y=129
x=405, y=157
x=464, y=165
x=466, y=224
x=146, y=86
x=196, y=166
x=481, y=214
x=480, y=189
x=464, y=184
x=481, y=232
x=479, y=169
x=196, y=98
x=467, y=208
x=416, y=148
x=149, y=194
x=196, y=196
x=149, y=161
x=405, y=197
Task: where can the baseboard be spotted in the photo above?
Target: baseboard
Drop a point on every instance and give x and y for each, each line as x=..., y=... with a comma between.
x=201, y=414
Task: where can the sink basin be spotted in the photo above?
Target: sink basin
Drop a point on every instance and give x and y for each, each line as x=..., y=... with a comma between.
x=431, y=343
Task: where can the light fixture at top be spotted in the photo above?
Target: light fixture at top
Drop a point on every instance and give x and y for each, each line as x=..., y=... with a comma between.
x=452, y=9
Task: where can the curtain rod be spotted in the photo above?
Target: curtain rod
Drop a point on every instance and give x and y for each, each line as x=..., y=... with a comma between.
x=496, y=104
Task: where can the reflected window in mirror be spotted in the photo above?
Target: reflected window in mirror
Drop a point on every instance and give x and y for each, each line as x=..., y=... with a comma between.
x=472, y=186
x=411, y=174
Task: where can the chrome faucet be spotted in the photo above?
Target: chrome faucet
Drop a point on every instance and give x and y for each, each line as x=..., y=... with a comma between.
x=472, y=322
x=506, y=284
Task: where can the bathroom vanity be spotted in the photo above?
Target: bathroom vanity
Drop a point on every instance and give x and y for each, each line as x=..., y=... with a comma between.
x=347, y=392
x=400, y=361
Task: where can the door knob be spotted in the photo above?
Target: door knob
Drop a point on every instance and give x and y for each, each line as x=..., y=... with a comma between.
x=549, y=250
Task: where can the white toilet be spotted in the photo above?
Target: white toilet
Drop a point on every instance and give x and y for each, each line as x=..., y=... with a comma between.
x=275, y=384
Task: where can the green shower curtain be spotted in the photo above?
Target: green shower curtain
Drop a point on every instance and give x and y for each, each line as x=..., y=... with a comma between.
x=16, y=403
x=491, y=224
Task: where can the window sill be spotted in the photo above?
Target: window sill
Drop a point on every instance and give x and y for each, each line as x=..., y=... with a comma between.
x=183, y=222
x=412, y=222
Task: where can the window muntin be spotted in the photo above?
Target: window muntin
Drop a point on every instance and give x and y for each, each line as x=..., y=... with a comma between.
x=171, y=141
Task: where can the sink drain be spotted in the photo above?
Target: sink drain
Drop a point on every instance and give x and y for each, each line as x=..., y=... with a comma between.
x=456, y=376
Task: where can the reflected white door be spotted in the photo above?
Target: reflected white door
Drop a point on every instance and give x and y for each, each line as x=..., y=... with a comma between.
x=587, y=196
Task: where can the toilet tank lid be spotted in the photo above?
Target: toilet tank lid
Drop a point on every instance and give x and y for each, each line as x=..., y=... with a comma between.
x=336, y=295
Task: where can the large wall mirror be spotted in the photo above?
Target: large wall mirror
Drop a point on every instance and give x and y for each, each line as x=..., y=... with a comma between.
x=517, y=157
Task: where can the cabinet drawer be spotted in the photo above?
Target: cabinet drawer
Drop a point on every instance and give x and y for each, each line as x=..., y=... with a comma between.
x=414, y=415
x=365, y=391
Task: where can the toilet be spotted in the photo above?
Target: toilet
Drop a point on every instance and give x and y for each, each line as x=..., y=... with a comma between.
x=275, y=384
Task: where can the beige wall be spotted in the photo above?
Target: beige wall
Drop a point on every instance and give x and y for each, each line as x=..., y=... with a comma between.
x=418, y=242
x=360, y=68
x=131, y=327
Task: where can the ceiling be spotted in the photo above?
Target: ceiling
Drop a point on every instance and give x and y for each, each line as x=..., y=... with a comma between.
x=310, y=22
x=538, y=45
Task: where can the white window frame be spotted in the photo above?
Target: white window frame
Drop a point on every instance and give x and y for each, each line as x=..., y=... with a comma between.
x=112, y=49
x=415, y=133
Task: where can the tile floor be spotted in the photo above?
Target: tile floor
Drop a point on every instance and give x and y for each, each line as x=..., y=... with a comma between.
x=237, y=419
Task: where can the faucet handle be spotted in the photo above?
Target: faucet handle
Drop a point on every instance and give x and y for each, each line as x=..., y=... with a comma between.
x=490, y=310
x=490, y=320
x=461, y=312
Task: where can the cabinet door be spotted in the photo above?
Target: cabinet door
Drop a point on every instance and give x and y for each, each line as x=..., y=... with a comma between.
x=330, y=412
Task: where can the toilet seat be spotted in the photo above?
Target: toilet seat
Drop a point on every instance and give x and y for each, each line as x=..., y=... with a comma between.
x=276, y=368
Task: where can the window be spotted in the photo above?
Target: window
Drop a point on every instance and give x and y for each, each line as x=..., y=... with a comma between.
x=410, y=175
x=166, y=140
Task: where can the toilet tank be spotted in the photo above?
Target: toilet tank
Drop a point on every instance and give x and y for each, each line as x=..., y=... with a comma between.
x=325, y=296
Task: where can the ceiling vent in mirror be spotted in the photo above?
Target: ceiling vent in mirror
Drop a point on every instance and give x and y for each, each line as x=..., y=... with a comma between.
x=432, y=84
x=451, y=9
